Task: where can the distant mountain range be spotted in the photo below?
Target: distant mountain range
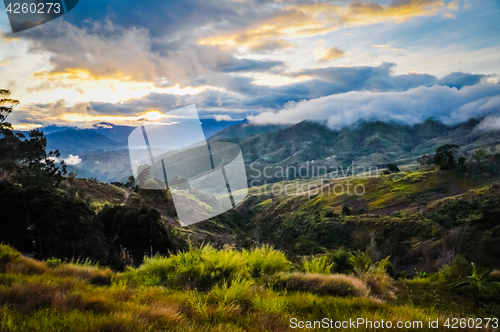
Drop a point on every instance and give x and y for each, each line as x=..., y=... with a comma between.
x=364, y=143
x=104, y=155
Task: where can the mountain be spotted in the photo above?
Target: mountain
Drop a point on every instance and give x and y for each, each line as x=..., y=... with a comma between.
x=244, y=130
x=212, y=126
x=105, y=156
x=366, y=143
x=106, y=166
x=80, y=141
x=303, y=141
x=114, y=132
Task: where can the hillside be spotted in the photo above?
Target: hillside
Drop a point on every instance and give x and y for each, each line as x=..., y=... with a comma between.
x=364, y=143
x=244, y=130
x=77, y=142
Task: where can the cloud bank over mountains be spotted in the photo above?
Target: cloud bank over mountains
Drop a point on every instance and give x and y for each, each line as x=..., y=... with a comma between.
x=443, y=103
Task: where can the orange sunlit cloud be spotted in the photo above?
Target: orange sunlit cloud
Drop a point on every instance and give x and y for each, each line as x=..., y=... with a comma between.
x=79, y=85
x=319, y=18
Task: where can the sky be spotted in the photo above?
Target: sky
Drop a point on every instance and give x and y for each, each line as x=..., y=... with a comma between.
x=269, y=61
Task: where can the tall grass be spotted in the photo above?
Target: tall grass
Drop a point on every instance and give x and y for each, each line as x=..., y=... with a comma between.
x=203, y=268
x=320, y=265
x=65, y=297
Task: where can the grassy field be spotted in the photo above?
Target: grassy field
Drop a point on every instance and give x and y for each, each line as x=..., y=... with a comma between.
x=204, y=289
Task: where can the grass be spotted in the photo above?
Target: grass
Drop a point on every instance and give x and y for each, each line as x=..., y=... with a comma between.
x=253, y=290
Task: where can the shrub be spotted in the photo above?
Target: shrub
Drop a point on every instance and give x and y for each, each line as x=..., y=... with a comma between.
x=334, y=284
x=341, y=261
x=236, y=293
x=266, y=261
x=457, y=270
x=321, y=265
x=361, y=262
x=7, y=255
x=53, y=262
x=198, y=268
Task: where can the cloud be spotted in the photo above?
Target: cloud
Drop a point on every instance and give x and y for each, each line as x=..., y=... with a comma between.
x=309, y=18
x=72, y=160
x=271, y=45
x=107, y=50
x=490, y=123
x=388, y=47
x=331, y=54
x=446, y=104
x=458, y=80
x=223, y=117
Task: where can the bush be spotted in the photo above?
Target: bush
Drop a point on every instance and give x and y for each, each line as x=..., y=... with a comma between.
x=198, y=268
x=266, y=261
x=341, y=261
x=236, y=293
x=361, y=262
x=457, y=270
x=7, y=254
x=53, y=262
x=321, y=265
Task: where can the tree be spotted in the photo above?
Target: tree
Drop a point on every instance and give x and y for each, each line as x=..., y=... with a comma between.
x=27, y=158
x=393, y=168
x=346, y=211
x=480, y=154
x=445, y=157
x=478, y=285
x=6, y=107
x=39, y=168
x=9, y=142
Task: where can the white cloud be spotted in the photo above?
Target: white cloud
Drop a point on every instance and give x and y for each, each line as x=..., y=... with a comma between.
x=490, y=123
x=72, y=160
x=223, y=117
x=443, y=103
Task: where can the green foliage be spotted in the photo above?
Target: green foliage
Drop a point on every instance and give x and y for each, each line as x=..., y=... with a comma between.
x=203, y=268
x=265, y=260
x=480, y=154
x=54, y=262
x=457, y=270
x=341, y=260
x=321, y=265
x=237, y=292
x=477, y=285
x=198, y=268
x=65, y=298
x=7, y=254
x=393, y=168
x=445, y=157
x=361, y=263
